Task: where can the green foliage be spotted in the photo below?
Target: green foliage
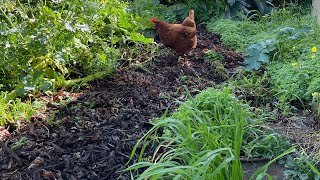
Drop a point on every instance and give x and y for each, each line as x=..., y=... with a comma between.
x=293, y=34
x=212, y=55
x=240, y=34
x=207, y=9
x=298, y=167
x=15, y=110
x=252, y=88
x=18, y=144
x=296, y=80
x=45, y=43
x=237, y=34
x=201, y=140
x=262, y=172
x=265, y=144
x=152, y=8
x=260, y=6
x=257, y=54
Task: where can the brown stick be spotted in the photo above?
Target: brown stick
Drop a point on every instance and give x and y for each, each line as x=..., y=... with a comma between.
x=10, y=152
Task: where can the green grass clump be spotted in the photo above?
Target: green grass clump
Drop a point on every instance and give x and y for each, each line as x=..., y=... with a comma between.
x=201, y=140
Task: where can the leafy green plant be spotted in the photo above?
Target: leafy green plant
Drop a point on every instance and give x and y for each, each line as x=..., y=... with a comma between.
x=258, y=54
x=240, y=34
x=201, y=140
x=15, y=111
x=265, y=145
x=237, y=34
x=296, y=81
x=18, y=144
x=49, y=44
x=298, y=167
x=212, y=55
x=252, y=88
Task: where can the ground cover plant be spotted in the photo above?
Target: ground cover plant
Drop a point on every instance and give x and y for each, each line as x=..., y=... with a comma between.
x=282, y=42
x=285, y=51
x=136, y=112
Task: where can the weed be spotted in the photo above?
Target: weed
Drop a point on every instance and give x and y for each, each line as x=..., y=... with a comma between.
x=15, y=111
x=18, y=144
x=298, y=167
x=213, y=56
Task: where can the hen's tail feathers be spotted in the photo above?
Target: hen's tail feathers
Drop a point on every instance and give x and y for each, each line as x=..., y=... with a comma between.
x=191, y=14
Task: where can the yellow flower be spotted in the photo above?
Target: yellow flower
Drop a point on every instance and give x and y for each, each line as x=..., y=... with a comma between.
x=314, y=94
x=294, y=64
x=313, y=56
x=314, y=49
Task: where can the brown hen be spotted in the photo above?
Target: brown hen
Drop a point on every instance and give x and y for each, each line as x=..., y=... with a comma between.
x=179, y=37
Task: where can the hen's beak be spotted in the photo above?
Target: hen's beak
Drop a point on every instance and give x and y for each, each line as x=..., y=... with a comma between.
x=154, y=27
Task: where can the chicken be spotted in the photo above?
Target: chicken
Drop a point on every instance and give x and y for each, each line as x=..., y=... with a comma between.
x=179, y=37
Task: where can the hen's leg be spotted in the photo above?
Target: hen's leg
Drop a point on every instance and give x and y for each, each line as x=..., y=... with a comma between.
x=181, y=58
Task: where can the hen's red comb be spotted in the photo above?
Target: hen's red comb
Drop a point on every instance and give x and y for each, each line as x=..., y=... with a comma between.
x=153, y=19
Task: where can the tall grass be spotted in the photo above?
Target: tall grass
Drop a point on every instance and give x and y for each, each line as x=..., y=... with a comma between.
x=201, y=140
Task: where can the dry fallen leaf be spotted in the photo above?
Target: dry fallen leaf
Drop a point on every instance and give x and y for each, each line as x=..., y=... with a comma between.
x=36, y=163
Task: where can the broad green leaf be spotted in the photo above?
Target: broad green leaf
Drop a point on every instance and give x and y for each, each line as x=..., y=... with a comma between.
x=46, y=85
x=252, y=63
x=37, y=75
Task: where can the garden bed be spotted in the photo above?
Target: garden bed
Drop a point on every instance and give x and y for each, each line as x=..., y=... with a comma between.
x=90, y=134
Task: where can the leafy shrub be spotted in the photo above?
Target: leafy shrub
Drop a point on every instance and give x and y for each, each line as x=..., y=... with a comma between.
x=45, y=43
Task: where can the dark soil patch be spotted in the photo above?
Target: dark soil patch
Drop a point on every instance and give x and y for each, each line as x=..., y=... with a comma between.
x=95, y=132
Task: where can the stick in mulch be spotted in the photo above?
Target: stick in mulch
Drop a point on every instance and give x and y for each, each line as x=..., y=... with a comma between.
x=10, y=152
x=4, y=134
